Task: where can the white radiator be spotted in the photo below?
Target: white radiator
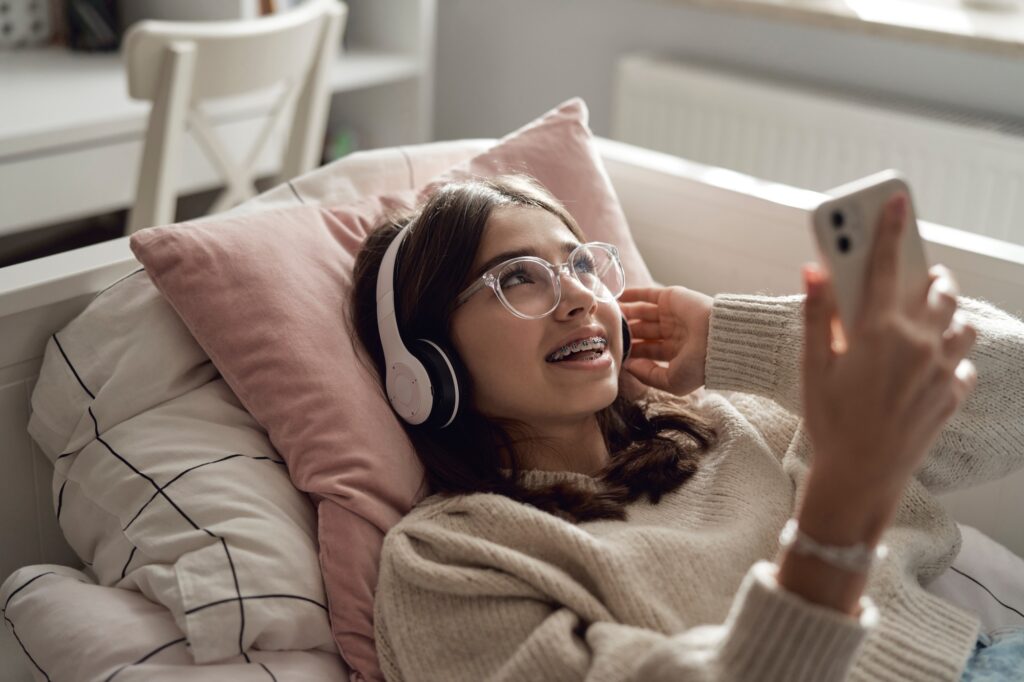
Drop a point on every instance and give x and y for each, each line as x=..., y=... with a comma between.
x=965, y=170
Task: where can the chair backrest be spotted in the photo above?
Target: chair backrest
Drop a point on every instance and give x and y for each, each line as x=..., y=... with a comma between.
x=179, y=65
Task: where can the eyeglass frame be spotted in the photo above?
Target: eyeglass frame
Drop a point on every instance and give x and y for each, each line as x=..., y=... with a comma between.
x=490, y=279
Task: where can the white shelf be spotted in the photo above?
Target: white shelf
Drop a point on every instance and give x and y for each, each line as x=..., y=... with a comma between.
x=356, y=69
x=55, y=98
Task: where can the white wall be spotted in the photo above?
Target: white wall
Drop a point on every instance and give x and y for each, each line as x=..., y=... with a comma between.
x=500, y=63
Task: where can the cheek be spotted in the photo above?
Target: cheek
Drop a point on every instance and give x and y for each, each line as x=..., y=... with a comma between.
x=611, y=317
x=498, y=353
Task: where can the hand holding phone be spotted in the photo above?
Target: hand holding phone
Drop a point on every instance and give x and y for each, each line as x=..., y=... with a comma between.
x=873, y=409
x=845, y=227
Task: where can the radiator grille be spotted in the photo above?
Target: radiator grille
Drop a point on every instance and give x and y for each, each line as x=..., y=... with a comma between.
x=966, y=169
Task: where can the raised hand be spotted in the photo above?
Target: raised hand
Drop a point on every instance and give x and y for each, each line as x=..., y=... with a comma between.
x=669, y=326
x=874, y=410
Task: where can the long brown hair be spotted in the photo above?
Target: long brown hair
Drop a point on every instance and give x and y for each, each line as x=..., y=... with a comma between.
x=654, y=443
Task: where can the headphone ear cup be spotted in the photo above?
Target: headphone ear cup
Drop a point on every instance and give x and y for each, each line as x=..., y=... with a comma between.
x=627, y=339
x=445, y=394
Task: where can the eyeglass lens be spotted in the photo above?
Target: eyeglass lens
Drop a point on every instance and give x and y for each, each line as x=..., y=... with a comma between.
x=529, y=287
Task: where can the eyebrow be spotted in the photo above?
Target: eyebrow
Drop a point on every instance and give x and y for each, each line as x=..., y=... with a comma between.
x=567, y=248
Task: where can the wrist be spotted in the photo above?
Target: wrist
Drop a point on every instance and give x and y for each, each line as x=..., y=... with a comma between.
x=837, y=512
x=820, y=582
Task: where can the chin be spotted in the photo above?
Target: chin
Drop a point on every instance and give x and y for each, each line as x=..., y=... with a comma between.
x=604, y=397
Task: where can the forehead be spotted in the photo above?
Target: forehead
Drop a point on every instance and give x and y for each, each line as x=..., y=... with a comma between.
x=520, y=228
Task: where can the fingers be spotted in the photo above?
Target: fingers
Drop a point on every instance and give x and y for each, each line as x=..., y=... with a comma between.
x=959, y=338
x=883, y=264
x=647, y=294
x=643, y=319
x=640, y=311
x=652, y=350
x=967, y=376
x=819, y=308
x=941, y=303
x=954, y=377
x=943, y=396
x=648, y=372
x=645, y=330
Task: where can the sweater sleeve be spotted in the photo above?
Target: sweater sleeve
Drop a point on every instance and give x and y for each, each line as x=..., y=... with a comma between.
x=442, y=618
x=755, y=345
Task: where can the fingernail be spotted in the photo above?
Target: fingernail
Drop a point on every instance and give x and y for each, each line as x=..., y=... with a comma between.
x=813, y=287
x=957, y=323
x=898, y=207
x=805, y=273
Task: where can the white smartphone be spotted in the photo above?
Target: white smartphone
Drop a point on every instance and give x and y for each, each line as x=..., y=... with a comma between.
x=844, y=228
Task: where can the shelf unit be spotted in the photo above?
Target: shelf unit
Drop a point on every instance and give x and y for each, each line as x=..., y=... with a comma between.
x=398, y=37
x=71, y=139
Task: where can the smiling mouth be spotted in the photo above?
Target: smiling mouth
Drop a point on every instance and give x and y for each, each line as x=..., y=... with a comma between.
x=585, y=349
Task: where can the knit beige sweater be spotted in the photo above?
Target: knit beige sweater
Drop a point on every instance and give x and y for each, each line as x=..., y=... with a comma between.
x=479, y=587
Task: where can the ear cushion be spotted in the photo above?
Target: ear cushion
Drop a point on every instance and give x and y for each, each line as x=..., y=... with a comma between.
x=445, y=398
x=627, y=339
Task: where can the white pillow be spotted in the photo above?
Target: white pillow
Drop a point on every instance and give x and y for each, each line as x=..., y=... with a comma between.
x=74, y=629
x=163, y=483
x=987, y=579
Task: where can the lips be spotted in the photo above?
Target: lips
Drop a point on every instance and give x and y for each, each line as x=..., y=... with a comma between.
x=588, y=338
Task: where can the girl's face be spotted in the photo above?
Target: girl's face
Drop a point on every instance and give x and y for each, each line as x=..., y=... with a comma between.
x=509, y=358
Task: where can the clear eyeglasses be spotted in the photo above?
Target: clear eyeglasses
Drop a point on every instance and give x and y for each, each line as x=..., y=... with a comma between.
x=531, y=288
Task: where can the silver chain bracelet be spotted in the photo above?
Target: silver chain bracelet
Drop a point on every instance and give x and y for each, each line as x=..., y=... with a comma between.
x=856, y=558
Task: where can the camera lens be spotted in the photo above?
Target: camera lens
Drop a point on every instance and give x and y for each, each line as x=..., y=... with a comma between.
x=837, y=219
x=844, y=244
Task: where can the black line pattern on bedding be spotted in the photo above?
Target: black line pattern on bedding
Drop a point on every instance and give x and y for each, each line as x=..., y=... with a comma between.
x=181, y=512
x=193, y=468
x=145, y=658
x=1001, y=602
x=14, y=630
x=161, y=491
x=131, y=556
x=130, y=274
x=73, y=370
x=201, y=607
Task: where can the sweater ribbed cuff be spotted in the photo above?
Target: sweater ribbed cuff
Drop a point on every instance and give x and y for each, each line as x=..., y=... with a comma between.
x=754, y=343
x=774, y=634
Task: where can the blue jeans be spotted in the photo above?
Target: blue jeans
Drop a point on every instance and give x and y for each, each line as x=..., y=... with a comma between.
x=998, y=657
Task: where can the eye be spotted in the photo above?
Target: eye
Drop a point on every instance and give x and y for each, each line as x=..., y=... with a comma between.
x=515, y=277
x=584, y=264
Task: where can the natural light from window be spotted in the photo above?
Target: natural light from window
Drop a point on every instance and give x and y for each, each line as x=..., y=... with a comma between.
x=990, y=24
x=910, y=13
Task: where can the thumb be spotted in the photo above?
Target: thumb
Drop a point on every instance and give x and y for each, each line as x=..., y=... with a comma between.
x=819, y=309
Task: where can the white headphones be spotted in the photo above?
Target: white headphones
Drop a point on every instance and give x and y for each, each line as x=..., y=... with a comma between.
x=420, y=382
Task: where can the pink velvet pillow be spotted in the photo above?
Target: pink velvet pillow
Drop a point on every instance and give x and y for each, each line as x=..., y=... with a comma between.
x=264, y=294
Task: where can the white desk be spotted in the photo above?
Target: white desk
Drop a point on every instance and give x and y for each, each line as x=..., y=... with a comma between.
x=71, y=139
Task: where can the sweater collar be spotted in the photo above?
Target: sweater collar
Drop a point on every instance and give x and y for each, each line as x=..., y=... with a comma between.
x=538, y=478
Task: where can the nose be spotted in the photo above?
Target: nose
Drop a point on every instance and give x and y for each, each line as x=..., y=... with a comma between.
x=576, y=297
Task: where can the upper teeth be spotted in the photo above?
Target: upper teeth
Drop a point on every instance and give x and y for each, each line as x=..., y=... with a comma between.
x=592, y=343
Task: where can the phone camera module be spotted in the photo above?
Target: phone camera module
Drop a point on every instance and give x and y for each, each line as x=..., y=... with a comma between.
x=843, y=243
x=837, y=219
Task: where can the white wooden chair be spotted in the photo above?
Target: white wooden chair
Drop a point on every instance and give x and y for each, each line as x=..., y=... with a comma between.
x=180, y=65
